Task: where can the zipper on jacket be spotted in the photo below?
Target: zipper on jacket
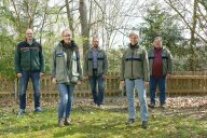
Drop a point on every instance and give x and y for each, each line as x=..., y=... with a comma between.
x=65, y=63
x=132, y=74
x=29, y=58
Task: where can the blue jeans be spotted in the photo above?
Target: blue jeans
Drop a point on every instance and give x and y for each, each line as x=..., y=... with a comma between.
x=98, y=96
x=23, y=83
x=161, y=83
x=137, y=84
x=66, y=97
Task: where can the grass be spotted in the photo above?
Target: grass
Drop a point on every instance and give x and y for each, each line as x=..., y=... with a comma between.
x=95, y=123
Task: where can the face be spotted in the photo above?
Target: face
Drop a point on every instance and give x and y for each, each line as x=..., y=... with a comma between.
x=29, y=35
x=134, y=39
x=157, y=43
x=95, y=42
x=66, y=37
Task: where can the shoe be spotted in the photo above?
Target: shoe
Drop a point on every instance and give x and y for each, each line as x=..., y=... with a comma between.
x=22, y=112
x=67, y=122
x=61, y=122
x=163, y=106
x=151, y=105
x=144, y=124
x=94, y=105
x=130, y=122
x=101, y=106
x=38, y=109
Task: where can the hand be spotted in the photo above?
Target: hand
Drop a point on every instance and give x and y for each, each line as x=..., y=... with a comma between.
x=19, y=75
x=86, y=78
x=104, y=77
x=79, y=82
x=168, y=75
x=122, y=83
x=146, y=84
x=54, y=80
x=41, y=74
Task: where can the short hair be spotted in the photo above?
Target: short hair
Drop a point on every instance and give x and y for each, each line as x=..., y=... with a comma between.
x=95, y=37
x=29, y=30
x=133, y=34
x=65, y=30
x=158, y=38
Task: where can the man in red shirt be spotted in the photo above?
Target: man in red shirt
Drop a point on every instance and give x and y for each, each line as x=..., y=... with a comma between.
x=160, y=60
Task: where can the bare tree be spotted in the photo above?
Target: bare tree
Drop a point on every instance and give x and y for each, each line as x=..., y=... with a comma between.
x=85, y=25
x=69, y=16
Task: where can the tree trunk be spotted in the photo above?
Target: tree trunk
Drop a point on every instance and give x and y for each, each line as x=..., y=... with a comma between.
x=85, y=30
x=192, y=40
x=69, y=16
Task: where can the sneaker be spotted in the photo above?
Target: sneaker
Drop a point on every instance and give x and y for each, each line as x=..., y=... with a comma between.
x=38, y=109
x=22, y=112
x=101, y=106
x=67, y=122
x=163, y=106
x=94, y=105
x=144, y=124
x=61, y=122
x=130, y=122
x=151, y=105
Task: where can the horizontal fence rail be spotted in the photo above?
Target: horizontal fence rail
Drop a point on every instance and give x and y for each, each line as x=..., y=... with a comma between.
x=180, y=83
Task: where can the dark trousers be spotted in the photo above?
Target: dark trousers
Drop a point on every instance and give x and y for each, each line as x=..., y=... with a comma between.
x=23, y=83
x=98, y=94
x=161, y=83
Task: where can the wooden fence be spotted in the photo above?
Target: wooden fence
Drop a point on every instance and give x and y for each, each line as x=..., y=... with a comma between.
x=181, y=83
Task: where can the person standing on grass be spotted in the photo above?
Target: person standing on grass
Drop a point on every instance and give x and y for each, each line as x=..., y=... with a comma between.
x=135, y=75
x=95, y=70
x=66, y=73
x=29, y=63
x=160, y=60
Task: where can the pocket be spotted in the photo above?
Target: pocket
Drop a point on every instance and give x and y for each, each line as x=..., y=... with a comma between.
x=74, y=79
x=60, y=59
x=60, y=75
x=60, y=66
x=60, y=54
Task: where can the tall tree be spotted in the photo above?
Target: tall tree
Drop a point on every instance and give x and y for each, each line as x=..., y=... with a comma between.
x=85, y=27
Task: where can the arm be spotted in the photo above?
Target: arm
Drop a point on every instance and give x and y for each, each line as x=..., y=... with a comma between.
x=85, y=66
x=53, y=64
x=80, y=71
x=169, y=62
x=122, y=67
x=42, y=64
x=145, y=66
x=105, y=63
x=17, y=60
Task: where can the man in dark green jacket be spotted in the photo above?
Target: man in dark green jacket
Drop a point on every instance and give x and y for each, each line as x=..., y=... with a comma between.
x=29, y=63
x=160, y=61
x=135, y=75
x=95, y=70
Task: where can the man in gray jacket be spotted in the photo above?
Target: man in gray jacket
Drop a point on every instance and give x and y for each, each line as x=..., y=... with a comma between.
x=66, y=73
x=135, y=75
x=95, y=70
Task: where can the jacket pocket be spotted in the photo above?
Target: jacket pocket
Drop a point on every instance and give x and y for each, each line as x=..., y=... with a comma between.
x=25, y=60
x=60, y=67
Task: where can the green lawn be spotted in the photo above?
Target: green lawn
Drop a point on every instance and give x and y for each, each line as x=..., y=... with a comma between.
x=106, y=123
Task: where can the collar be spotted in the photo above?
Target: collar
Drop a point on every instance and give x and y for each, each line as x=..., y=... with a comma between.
x=134, y=46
